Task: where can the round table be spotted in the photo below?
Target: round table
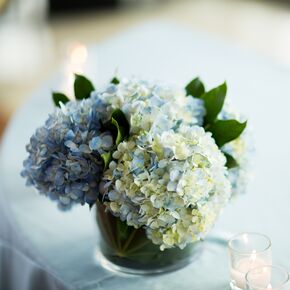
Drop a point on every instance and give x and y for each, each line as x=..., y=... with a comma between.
x=43, y=248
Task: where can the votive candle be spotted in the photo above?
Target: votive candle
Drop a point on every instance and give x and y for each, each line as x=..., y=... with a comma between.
x=248, y=251
x=278, y=278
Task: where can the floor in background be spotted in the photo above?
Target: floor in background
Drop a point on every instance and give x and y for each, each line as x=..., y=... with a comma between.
x=3, y=122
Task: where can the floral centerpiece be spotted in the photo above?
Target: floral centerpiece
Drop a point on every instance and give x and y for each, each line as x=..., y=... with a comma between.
x=160, y=163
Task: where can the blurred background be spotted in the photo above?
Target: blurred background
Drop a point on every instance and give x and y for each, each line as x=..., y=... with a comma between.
x=38, y=36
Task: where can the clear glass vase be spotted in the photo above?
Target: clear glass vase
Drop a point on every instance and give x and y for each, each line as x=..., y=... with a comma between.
x=126, y=249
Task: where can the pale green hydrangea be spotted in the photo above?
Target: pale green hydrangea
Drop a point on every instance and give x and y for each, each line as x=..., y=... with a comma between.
x=173, y=184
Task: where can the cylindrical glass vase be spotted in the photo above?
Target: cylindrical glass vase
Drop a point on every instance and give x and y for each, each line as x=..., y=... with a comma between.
x=126, y=249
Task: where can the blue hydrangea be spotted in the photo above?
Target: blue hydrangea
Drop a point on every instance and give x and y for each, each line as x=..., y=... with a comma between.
x=64, y=155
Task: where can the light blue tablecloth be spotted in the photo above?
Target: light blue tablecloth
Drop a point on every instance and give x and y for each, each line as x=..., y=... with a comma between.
x=62, y=245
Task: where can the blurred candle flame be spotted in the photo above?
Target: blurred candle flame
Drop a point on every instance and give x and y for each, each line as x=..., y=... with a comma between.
x=253, y=256
x=245, y=238
x=77, y=56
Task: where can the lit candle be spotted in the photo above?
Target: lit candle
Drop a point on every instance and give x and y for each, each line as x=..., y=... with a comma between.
x=77, y=56
x=243, y=266
x=249, y=251
x=267, y=277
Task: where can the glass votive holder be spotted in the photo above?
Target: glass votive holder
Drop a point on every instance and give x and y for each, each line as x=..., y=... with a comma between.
x=247, y=251
x=268, y=278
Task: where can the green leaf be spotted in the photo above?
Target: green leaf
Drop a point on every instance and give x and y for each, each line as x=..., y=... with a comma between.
x=59, y=97
x=224, y=131
x=106, y=157
x=122, y=230
x=115, y=81
x=120, y=132
x=82, y=87
x=213, y=102
x=121, y=124
x=231, y=161
x=195, y=88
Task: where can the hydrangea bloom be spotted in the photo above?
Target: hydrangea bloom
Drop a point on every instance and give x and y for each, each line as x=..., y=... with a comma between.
x=157, y=108
x=151, y=106
x=63, y=160
x=240, y=149
x=174, y=184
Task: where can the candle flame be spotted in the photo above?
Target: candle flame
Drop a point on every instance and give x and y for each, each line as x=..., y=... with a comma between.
x=253, y=255
x=246, y=238
x=78, y=54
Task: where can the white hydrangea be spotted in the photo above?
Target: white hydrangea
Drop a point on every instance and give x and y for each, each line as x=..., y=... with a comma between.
x=172, y=183
x=154, y=107
x=157, y=108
